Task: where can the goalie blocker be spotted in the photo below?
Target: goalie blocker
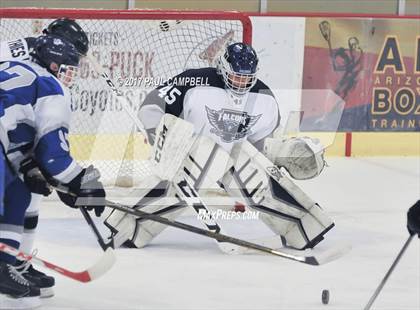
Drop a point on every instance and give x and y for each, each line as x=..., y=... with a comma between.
x=245, y=174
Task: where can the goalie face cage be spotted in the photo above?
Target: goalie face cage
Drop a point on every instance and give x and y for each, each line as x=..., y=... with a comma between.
x=138, y=50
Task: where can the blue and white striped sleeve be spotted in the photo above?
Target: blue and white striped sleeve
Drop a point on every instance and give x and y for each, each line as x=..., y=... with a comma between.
x=52, y=116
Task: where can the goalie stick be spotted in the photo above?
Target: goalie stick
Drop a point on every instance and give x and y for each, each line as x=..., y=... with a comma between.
x=104, y=264
x=298, y=256
x=210, y=223
x=192, y=198
x=295, y=255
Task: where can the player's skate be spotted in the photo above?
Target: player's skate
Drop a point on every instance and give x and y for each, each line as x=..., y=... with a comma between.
x=15, y=291
x=36, y=277
x=158, y=198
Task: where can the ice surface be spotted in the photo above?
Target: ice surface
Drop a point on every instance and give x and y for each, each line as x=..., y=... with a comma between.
x=367, y=197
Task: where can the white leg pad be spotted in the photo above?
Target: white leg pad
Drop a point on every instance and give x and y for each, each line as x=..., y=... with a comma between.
x=283, y=206
x=158, y=196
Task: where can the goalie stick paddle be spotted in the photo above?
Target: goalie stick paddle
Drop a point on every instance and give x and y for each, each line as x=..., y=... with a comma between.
x=104, y=264
x=323, y=256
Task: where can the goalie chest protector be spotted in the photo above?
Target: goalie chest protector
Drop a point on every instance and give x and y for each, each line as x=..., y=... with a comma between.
x=217, y=113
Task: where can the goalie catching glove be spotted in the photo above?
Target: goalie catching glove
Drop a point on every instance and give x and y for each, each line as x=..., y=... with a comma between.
x=302, y=157
x=88, y=191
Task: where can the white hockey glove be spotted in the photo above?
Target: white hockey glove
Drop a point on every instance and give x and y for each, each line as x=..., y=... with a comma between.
x=302, y=157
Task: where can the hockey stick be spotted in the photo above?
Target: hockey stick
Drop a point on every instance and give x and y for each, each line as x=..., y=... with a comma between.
x=295, y=255
x=95, y=230
x=314, y=260
x=390, y=270
x=128, y=109
x=59, y=187
x=210, y=223
x=105, y=263
x=192, y=198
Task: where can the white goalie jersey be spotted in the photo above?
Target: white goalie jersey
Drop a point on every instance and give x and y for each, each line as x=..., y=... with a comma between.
x=199, y=97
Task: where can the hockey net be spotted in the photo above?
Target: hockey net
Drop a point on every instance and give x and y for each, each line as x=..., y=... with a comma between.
x=138, y=50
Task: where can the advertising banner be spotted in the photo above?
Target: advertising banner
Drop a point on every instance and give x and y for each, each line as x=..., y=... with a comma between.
x=372, y=64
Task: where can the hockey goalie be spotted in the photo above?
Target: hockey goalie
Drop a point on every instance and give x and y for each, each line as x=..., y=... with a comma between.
x=219, y=135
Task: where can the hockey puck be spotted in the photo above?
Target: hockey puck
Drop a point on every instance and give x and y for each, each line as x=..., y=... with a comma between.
x=239, y=207
x=164, y=25
x=325, y=296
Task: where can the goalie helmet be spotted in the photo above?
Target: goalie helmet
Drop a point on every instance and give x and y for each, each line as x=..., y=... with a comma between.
x=71, y=31
x=238, y=66
x=58, y=56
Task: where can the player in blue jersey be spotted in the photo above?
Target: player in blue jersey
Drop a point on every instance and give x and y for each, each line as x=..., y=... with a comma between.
x=36, y=117
x=2, y=176
x=3, y=144
x=19, y=49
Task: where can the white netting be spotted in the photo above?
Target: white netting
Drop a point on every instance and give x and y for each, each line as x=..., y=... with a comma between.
x=128, y=50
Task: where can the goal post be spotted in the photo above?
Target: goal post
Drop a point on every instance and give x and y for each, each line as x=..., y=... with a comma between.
x=138, y=49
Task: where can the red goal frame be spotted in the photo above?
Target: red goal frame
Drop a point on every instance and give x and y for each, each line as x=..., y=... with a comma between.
x=131, y=14
x=236, y=20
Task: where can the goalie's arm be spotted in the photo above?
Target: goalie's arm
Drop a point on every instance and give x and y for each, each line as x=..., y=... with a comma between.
x=166, y=99
x=258, y=139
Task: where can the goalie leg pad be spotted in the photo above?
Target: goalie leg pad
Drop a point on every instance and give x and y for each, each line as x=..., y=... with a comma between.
x=122, y=226
x=145, y=231
x=283, y=206
x=157, y=197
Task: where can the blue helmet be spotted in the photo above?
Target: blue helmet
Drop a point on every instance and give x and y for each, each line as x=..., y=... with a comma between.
x=239, y=66
x=58, y=56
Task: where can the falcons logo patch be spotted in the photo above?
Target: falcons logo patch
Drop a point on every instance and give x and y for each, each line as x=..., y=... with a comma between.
x=231, y=125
